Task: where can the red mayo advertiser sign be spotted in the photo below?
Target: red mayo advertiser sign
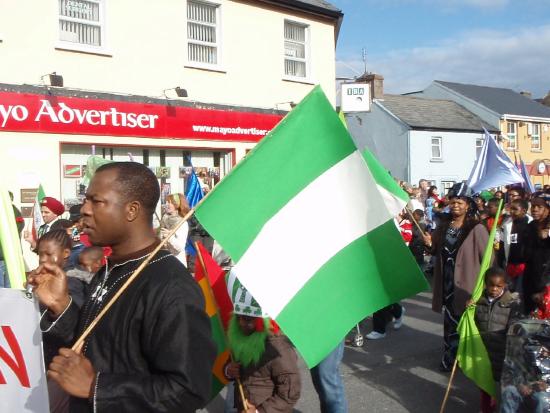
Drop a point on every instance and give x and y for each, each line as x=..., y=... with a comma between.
x=25, y=112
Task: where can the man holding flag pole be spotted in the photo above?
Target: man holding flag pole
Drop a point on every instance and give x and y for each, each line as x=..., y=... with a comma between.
x=144, y=343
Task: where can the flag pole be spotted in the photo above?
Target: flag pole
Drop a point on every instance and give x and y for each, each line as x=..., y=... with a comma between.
x=414, y=220
x=77, y=346
x=448, y=387
x=205, y=271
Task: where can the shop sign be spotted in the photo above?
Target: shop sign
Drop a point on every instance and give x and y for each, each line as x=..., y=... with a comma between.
x=28, y=195
x=71, y=115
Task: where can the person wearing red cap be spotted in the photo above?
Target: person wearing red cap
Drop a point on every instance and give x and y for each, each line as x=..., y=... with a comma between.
x=51, y=209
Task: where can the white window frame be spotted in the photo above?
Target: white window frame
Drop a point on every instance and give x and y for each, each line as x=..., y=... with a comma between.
x=85, y=48
x=439, y=144
x=218, y=66
x=307, y=51
x=512, y=136
x=479, y=146
x=535, y=137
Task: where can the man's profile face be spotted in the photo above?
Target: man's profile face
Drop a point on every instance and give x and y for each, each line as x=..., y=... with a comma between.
x=104, y=210
x=47, y=215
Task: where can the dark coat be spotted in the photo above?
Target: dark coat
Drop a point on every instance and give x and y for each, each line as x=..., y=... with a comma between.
x=273, y=385
x=493, y=320
x=153, y=350
x=538, y=255
x=473, y=240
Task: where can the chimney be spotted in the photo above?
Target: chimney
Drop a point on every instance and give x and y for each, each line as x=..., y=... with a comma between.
x=376, y=84
x=526, y=94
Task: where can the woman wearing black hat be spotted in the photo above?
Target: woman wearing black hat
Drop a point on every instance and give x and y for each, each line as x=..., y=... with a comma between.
x=458, y=245
x=538, y=250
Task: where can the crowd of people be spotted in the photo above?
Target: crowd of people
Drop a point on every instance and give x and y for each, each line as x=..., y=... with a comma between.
x=154, y=351
x=448, y=235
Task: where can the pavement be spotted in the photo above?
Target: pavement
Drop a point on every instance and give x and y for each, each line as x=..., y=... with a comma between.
x=398, y=373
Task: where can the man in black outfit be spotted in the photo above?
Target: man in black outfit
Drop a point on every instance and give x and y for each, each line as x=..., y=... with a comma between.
x=153, y=349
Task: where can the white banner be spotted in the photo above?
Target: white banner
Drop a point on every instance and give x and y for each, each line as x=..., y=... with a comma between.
x=22, y=379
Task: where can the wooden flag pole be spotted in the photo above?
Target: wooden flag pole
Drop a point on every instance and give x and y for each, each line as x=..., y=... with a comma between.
x=203, y=266
x=415, y=221
x=449, y=387
x=77, y=346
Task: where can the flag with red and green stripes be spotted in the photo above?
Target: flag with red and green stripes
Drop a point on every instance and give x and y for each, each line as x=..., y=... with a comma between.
x=202, y=275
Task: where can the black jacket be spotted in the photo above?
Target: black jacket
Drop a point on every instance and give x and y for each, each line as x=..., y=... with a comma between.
x=493, y=320
x=153, y=350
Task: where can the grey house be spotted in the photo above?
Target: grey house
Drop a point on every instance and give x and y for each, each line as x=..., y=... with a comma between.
x=417, y=138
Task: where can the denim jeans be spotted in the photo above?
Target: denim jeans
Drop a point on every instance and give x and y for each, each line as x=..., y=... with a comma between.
x=4, y=278
x=328, y=382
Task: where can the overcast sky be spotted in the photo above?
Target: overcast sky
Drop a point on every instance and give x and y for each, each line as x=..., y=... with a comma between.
x=501, y=43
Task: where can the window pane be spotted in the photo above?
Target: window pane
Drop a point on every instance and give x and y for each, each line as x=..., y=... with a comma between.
x=80, y=32
x=79, y=9
x=202, y=53
x=295, y=50
x=295, y=68
x=295, y=32
x=203, y=33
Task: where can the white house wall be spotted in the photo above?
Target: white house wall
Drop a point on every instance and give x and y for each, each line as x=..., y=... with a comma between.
x=458, y=156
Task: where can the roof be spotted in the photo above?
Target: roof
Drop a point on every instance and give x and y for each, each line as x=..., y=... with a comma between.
x=422, y=113
x=313, y=6
x=500, y=100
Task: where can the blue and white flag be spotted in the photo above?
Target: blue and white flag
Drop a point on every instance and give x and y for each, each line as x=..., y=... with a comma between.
x=528, y=185
x=493, y=168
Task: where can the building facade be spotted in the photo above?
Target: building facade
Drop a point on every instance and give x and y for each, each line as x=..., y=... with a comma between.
x=167, y=84
x=417, y=138
x=524, y=124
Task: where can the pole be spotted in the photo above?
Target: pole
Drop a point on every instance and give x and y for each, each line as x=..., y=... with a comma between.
x=415, y=221
x=205, y=272
x=448, y=387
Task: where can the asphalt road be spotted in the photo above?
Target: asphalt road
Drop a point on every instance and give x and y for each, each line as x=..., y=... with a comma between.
x=398, y=373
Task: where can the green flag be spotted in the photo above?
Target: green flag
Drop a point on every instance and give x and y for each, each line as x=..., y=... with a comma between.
x=472, y=355
x=311, y=236
x=11, y=243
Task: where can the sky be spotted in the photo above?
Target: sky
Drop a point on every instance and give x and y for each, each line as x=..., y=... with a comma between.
x=499, y=43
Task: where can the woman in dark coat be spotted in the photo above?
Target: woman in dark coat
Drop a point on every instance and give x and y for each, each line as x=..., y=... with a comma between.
x=537, y=251
x=457, y=245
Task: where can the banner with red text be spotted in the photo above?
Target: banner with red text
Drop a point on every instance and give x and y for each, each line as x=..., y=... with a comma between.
x=23, y=385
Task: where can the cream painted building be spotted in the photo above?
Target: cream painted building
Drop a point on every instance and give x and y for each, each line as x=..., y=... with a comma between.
x=241, y=63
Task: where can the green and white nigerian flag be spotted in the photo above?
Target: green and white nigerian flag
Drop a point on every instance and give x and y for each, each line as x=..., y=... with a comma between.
x=394, y=196
x=312, y=238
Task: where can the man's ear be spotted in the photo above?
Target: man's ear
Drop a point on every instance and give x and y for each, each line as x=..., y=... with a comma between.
x=133, y=209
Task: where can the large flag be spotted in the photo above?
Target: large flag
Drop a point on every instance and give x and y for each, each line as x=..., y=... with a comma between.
x=10, y=242
x=472, y=355
x=393, y=195
x=528, y=186
x=492, y=168
x=202, y=275
x=311, y=236
x=23, y=385
x=37, y=220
